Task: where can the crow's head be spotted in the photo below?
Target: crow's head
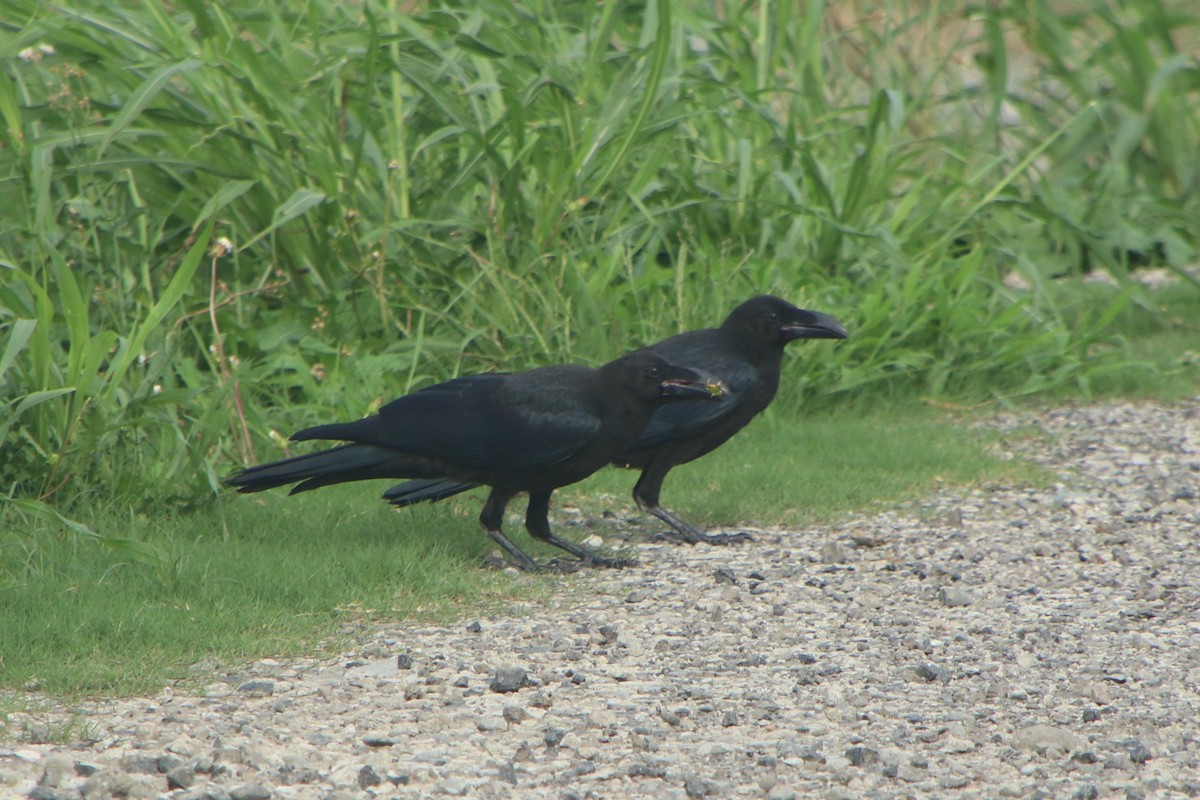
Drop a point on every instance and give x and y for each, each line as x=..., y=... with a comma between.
x=767, y=320
x=650, y=377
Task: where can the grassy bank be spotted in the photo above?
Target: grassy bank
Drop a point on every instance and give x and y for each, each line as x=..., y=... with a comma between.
x=272, y=575
x=227, y=219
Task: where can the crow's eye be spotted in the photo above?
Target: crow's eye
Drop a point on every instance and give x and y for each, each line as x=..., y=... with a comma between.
x=653, y=373
x=773, y=317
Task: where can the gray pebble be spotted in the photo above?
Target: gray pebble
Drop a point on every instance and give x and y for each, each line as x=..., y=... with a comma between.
x=378, y=740
x=954, y=597
x=257, y=688
x=181, y=777
x=1047, y=737
x=929, y=671
x=490, y=724
x=368, y=777
x=1139, y=753
x=510, y=679
x=250, y=791
x=862, y=756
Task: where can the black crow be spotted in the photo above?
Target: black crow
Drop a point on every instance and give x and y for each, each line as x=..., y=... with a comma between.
x=745, y=354
x=530, y=432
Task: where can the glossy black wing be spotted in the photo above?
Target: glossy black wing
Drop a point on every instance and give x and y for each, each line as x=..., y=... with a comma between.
x=478, y=422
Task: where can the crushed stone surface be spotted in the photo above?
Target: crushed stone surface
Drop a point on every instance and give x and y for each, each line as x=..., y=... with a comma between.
x=985, y=642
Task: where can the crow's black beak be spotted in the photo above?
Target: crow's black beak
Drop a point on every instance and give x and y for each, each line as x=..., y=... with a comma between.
x=813, y=325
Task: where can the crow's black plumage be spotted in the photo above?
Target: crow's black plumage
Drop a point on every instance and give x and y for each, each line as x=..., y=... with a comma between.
x=530, y=432
x=745, y=353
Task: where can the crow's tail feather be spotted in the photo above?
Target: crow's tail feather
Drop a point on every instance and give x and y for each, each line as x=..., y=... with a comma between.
x=348, y=462
x=425, y=490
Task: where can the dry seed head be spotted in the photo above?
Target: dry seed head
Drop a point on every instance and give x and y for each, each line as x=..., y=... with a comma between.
x=220, y=248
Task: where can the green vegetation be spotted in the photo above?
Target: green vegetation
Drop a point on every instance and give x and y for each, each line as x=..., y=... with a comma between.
x=224, y=221
x=272, y=575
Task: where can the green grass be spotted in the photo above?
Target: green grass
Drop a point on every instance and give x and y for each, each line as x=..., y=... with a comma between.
x=271, y=575
x=262, y=576
x=798, y=471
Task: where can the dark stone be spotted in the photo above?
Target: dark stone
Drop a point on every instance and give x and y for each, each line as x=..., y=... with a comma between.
x=368, y=777
x=554, y=736
x=378, y=740
x=647, y=771
x=932, y=672
x=45, y=793
x=578, y=678
x=257, y=688
x=145, y=765
x=510, y=679
x=808, y=754
x=1091, y=714
x=729, y=719
x=474, y=627
x=585, y=767
x=696, y=788
x=404, y=661
x=1086, y=792
x=181, y=777
x=250, y=791
x=862, y=756
x=725, y=575
x=806, y=677
x=290, y=774
x=806, y=658
x=1084, y=757
x=1139, y=753
x=168, y=762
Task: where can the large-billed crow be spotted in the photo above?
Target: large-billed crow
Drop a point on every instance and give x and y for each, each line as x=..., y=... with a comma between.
x=745, y=353
x=529, y=432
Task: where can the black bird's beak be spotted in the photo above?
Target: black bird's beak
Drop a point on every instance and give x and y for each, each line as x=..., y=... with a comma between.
x=700, y=385
x=813, y=325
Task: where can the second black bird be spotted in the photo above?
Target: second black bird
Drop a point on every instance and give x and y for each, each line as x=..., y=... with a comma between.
x=530, y=432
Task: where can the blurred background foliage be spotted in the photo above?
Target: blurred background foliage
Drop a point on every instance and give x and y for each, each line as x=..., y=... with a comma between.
x=226, y=219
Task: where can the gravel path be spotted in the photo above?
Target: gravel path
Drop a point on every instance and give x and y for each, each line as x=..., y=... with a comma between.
x=997, y=642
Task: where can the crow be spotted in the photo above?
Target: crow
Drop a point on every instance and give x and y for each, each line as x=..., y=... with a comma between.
x=745, y=354
x=528, y=432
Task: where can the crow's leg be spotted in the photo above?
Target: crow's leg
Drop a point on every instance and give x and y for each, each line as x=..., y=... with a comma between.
x=538, y=525
x=645, y=494
x=491, y=517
